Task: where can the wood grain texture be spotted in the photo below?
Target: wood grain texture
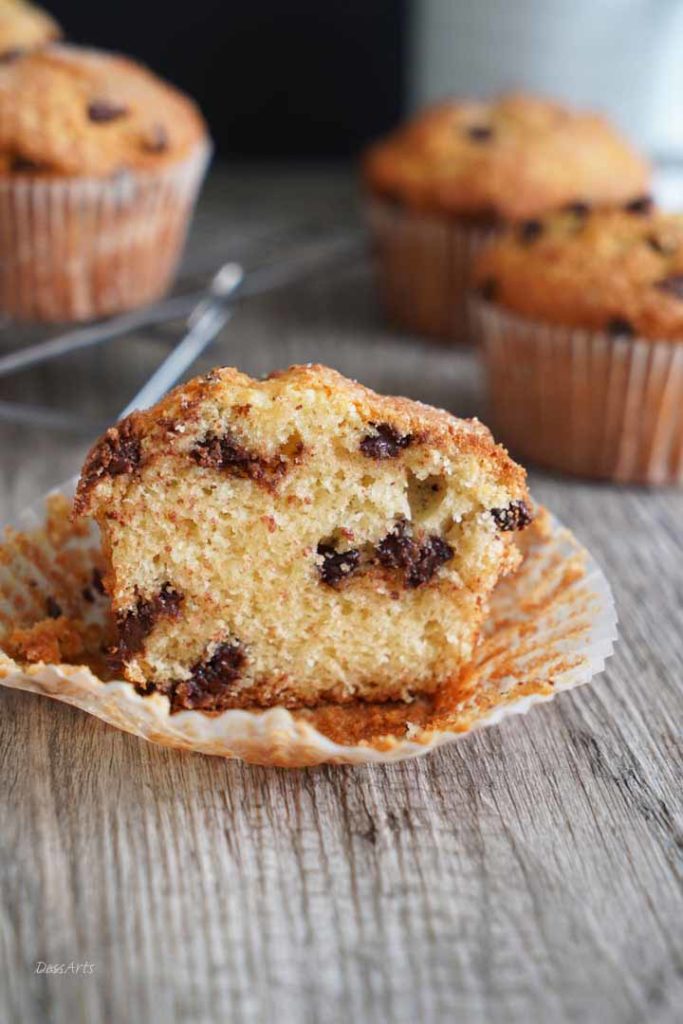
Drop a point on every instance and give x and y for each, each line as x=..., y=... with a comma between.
x=530, y=873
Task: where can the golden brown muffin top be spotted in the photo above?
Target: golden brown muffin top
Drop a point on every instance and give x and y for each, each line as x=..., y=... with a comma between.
x=65, y=110
x=514, y=157
x=24, y=27
x=620, y=271
x=170, y=425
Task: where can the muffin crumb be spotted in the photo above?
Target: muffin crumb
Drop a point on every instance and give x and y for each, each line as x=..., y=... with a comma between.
x=372, y=587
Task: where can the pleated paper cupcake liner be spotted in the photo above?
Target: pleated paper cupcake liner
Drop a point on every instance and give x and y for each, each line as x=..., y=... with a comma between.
x=77, y=249
x=424, y=266
x=584, y=402
x=551, y=627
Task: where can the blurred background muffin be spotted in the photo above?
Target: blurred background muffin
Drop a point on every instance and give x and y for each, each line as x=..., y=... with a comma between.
x=24, y=27
x=439, y=187
x=582, y=334
x=100, y=164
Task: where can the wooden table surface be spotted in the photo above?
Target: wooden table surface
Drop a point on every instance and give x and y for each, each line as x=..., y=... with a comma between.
x=531, y=872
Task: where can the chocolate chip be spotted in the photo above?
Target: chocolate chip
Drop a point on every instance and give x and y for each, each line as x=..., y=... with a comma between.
x=619, y=326
x=97, y=582
x=210, y=684
x=102, y=111
x=657, y=245
x=488, y=288
x=516, y=516
x=119, y=452
x=53, y=609
x=168, y=601
x=227, y=453
x=417, y=560
x=9, y=56
x=639, y=205
x=397, y=549
x=156, y=139
x=671, y=285
x=529, y=231
x=385, y=443
x=25, y=165
x=94, y=588
x=578, y=208
x=480, y=132
x=133, y=628
x=434, y=552
x=337, y=566
x=135, y=624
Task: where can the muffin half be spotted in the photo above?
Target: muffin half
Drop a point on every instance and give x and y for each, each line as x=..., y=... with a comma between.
x=299, y=539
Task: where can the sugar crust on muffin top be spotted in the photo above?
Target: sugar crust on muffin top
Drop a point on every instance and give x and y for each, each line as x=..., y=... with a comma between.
x=513, y=157
x=617, y=271
x=298, y=539
x=71, y=111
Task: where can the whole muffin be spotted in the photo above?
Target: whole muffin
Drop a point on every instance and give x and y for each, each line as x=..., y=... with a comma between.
x=100, y=164
x=581, y=320
x=442, y=184
x=24, y=27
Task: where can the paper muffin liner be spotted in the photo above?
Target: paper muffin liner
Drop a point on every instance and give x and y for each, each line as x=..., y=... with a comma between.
x=424, y=265
x=551, y=627
x=584, y=402
x=77, y=249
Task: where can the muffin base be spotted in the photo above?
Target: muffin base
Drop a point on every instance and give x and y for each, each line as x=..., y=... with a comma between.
x=424, y=268
x=551, y=628
x=585, y=402
x=83, y=248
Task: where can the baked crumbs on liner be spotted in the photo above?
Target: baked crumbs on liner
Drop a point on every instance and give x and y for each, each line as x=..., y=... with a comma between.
x=583, y=401
x=552, y=626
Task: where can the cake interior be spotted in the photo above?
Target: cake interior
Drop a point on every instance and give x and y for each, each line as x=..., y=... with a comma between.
x=282, y=548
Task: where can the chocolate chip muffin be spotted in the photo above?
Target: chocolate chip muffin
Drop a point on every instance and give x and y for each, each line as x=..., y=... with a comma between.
x=298, y=539
x=582, y=329
x=100, y=163
x=24, y=27
x=441, y=185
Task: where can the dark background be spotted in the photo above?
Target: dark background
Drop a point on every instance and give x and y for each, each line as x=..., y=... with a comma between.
x=308, y=78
